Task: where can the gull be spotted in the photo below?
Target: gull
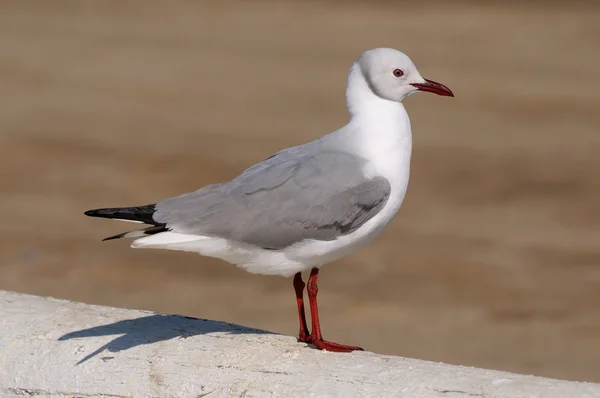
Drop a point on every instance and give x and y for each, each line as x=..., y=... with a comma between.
x=307, y=205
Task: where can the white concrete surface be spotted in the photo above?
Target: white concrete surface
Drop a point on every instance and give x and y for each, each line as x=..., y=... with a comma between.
x=56, y=348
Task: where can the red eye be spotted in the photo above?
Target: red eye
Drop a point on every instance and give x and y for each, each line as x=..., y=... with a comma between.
x=398, y=73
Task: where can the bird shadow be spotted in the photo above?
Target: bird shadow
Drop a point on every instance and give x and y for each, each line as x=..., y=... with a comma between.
x=154, y=328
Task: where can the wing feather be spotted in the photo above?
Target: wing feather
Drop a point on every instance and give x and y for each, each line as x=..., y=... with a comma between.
x=285, y=199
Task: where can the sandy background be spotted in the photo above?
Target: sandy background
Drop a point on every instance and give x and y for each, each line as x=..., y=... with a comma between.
x=494, y=258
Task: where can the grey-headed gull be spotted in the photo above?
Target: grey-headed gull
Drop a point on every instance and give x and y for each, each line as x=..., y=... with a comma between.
x=306, y=205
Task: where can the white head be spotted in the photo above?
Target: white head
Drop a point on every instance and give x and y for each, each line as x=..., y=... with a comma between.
x=389, y=74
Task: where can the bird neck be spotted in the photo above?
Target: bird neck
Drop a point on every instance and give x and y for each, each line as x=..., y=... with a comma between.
x=380, y=128
x=374, y=115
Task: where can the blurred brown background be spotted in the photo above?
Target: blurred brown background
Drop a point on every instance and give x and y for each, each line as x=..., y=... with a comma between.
x=494, y=258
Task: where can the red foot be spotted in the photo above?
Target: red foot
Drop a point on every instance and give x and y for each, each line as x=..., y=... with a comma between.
x=315, y=338
x=304, y=337
x=334, y=347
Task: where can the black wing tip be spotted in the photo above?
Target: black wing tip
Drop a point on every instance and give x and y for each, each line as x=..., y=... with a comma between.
x=139, y=213
x=108, y=212
x=114, y=237
x=91, y=213
x=140, y=233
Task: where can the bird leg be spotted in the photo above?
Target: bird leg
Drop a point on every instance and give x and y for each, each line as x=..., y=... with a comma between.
x=299, y=288
x=315, y=337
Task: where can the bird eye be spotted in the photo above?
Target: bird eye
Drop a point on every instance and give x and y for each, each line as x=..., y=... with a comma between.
x=398, y=73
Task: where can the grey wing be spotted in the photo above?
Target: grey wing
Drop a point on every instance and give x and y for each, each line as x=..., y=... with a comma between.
x=282, y=200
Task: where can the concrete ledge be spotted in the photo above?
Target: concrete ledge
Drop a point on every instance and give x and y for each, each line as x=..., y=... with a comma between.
x=56, y=348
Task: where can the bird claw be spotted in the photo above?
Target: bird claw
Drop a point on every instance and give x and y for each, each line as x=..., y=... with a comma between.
x=329, y=345
x=304, y=338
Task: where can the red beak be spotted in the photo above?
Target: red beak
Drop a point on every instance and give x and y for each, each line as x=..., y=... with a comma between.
x=433, y=87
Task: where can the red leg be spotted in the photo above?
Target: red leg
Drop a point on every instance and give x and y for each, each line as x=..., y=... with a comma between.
x=299, y=288
x=315, y=337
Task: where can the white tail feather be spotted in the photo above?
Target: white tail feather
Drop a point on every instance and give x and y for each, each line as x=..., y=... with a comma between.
x=163, y=239
x=135, y=234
